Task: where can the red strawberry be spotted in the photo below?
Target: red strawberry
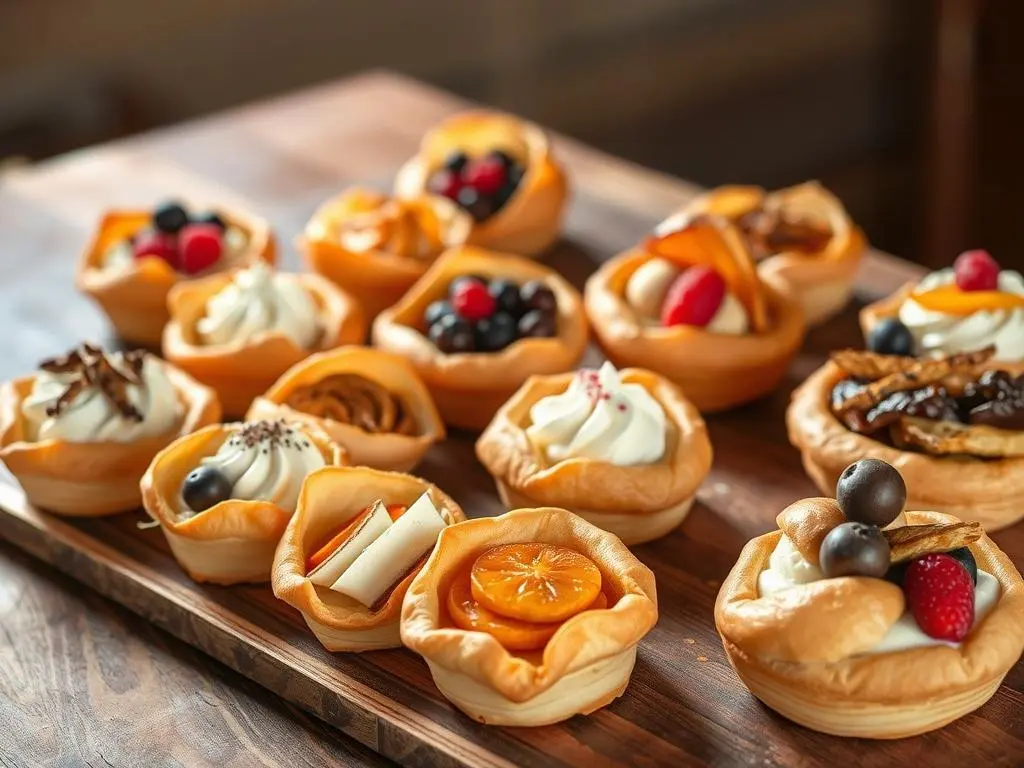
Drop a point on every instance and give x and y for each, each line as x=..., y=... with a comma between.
x=976, y=271
x=200, y=247
x=486, y=175
x=472, y=301
x=940, y=596
x=693, y=298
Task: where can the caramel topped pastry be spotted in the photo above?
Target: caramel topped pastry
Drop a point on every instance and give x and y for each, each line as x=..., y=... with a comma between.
x=529, y=618
x=349, y=398
x=689, y=303
x=954, y=425
x=859, y=617
x=80, y=432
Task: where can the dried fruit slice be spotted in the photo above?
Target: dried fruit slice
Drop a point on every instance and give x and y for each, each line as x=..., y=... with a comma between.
x=945, y=437
x=950, y=300
x=539, y=583
x=909, y=541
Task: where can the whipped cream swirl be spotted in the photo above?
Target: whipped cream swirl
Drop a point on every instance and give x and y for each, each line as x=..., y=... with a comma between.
x=787, y=568
x=599, y=417
x=267, y=461
x=258, y=301
x=950, y=334
x=146, y=406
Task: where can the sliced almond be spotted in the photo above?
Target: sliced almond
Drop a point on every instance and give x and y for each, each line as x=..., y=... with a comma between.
x=910, y=541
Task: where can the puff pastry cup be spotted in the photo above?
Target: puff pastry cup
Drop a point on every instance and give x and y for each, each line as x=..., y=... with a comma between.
x=241, y=370
x=468, y=388
x=376, y=247
x=331, y=497
x=91, y=479
x=531, y=219
x=716, y=371
x=233, y=541
x=807, y=243
x=584, y=666
x=135, y=299
x=805, y=651
x=360, y=424
x=637, y=503
x=978, y=489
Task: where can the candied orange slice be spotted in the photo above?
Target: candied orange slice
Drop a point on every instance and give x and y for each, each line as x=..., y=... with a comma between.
x=395, y=511
x=513, y=634
x=952, y=301
x=539, y=583
x=712, y=241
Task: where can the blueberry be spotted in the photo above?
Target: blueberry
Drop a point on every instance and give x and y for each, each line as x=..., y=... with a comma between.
x=502, y=157
x=966, y=559
x=496, y=332
x=538, y=324
x=456, y=161
x=205, y=486
x=210, y=217
x=854, y=549
x=536, y=295
x=170, y=218
x=436, y=311
x=871, y=491
x=452, y=334
x=479, y=206
x=503, y=195
x=891, y=337
x=506, y=295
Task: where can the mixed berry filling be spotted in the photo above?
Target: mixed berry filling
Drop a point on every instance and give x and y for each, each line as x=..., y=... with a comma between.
x=481, y=185
x=487, y=315
x=188, y=243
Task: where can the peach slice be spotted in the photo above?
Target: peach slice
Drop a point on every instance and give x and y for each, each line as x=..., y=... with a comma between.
x=952, y=301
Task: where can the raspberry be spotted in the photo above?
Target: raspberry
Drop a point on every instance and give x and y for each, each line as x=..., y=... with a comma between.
x=155, y=244
x=200, y=247
x=472, y=301
x=940, y=596
x=693, y=298
x=486, y=175
x=976, y=271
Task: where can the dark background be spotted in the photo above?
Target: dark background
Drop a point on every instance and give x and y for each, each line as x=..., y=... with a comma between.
x=906, y=108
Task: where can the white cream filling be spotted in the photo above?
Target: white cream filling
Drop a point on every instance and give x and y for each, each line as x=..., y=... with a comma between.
x=731, y=317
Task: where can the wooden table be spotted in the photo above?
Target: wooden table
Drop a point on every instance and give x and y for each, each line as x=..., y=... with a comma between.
x=82, y=682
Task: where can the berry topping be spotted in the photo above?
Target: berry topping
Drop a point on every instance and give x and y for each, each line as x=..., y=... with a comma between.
x=506, y=294
x=452, y=334
x=538, y=324
x=476, y=203
x=694, y=298
x=446, y=183
x=940, y=596
x=210, y=217
x=536, y=295
x=170, y=218
x=200, y=247
x=976, y=271
x=854, y=549
x=496, y=332
x=963, y=556
x=502, y=157
x=486, y=175
x=152, y=243
x=456, y=161
x=871, y=491
x=891, y=337
x=436, y=311
x=481, y=185
x=472, y=301
x=204, y=487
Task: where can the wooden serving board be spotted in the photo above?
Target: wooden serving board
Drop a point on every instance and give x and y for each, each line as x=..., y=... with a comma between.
x=684, y=705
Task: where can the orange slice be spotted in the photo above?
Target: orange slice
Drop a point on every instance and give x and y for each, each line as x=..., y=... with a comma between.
x=513, y=634
x=395, y=511
x=950, y=300
x=712, y=241
x=335, y=541
x=539, y=583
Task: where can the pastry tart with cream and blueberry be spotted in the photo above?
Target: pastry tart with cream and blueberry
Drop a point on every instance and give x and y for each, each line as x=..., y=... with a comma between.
x=223, y=495
x=858, y=618
x=239, y=331
x=688, y=304
x=801, y=237
x=370, y=402
x=529, y=618
x=375, y=246
x=136, y=257
x=954, y=425
x=501, y=171
x=478, y=324
x=968, y=307
x=357, y=540
x=79, y=433
x=624, y=450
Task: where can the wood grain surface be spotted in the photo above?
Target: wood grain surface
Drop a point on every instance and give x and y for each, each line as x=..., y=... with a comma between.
x=684, y=705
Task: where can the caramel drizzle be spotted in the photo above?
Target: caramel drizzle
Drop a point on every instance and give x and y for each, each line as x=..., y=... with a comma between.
x=349, y=398
x=89, y=368
x=769, y=232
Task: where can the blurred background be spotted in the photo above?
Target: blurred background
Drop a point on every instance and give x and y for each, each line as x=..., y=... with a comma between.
x=905, y=108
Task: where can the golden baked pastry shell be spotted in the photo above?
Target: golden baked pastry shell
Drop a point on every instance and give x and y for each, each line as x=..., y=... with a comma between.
x=98, y=478
x=240, y=371
x=984, y=490
x=585, y=665
x=330, y=497
x=637, y=503
x=468, y=388
x=716, y=371
x=135, y=300
x=377, y=278
x=886, y=695
x=233, y=541
x=391, y=451
x=531, y=220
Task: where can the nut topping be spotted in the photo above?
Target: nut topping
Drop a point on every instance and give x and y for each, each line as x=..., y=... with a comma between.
x=349, y=398
x=910, y=541
x=769, y=232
